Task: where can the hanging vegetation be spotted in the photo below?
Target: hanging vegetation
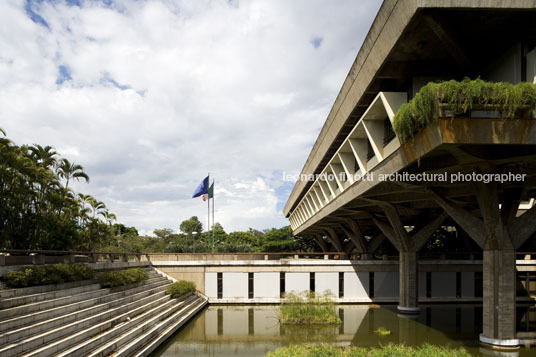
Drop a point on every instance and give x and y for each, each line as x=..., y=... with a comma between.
x=460, y=97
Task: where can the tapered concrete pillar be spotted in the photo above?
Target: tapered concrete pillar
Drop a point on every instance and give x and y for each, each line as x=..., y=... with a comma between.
x=499, y=298
x=408, y=283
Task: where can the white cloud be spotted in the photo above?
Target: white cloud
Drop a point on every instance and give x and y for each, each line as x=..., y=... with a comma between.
x=157, y=93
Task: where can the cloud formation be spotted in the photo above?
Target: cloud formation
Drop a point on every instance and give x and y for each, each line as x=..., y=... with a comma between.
x=151, y=95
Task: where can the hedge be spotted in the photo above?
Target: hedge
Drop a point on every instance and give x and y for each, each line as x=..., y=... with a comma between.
x=47, y=274
x=113, y=279
x=179, y=288
x=460, y=97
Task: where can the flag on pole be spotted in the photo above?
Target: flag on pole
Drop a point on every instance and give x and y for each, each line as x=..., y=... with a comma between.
x=202, y=189
x=211, y=191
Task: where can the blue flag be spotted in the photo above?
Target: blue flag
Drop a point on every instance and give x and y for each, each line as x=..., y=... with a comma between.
x=202, y=189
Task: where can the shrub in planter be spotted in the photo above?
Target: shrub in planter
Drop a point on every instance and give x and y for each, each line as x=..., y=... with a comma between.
x=113, y=279
x=460, y=97
x=47, y=274
x=180, y=288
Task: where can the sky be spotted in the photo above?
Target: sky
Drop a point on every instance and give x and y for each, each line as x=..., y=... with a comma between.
x=150, y=96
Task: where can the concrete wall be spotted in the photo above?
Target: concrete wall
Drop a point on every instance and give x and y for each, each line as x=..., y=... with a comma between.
x=356, y=285
x=266, y=285
x=443, y=284
x=296, y=282
x=531, y=66
x=385, y=284
x=235, y=285
x=211, y=285
x=327, y=281
x=266, y=279
x=507, y=68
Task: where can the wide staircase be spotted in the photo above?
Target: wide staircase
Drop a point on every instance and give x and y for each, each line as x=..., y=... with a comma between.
x=82, y=319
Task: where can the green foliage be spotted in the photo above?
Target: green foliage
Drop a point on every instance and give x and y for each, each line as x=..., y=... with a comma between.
x=459, y=98
x=38, y=209
x=47, y=274
x=382, y=331
x=191, y=225
x=179, y=288
x=308, y=308
x=113, y=279
x=389, y=350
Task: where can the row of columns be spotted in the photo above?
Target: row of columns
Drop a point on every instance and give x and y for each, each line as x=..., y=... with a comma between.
x=498, y=233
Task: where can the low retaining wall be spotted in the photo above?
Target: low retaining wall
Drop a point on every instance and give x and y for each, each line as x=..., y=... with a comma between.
x=349, y=281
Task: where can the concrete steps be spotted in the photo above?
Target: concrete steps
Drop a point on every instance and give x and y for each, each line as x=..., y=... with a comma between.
x=86, y=320
x=34, y=317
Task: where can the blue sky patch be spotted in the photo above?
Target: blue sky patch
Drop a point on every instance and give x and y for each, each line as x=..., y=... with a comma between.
x=34, y=16
x=317, y=41
x=282, y=193
x=64, y=74
x=106, y=79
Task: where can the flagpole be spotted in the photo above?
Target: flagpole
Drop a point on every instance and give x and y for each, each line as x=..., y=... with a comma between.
x=213, y=196
x=208, y=208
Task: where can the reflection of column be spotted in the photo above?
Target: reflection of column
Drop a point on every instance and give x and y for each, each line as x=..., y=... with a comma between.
x=407, y=330
x=341, y=316
x=251, y=322
x=220, y=322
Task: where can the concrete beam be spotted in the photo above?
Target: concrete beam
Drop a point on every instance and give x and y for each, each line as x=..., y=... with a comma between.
x=469, y=223
x=333, y=238
x=355, y=235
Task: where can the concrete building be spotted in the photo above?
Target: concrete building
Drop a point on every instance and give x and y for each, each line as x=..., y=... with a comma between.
x=410, y=44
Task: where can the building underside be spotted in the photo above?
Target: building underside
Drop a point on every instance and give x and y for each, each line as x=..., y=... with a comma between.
x=410, y=44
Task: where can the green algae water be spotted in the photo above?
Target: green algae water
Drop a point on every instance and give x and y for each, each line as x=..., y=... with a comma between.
x=252, y=331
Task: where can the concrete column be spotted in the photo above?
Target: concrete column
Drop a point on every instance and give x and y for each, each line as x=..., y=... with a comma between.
x=367, y=256
x=499, y=298
x=408, y=283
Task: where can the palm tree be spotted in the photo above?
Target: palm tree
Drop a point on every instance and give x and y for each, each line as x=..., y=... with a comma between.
x=68, y=171
x=109, y=217
x=2, y=131
x=43, y=156
x=97, y=207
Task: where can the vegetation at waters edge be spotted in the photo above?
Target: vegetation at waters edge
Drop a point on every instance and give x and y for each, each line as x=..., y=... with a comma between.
x=47, y=274
x=459, y=98
x=389, y=350
x=113, y=279
x=308, y=308
x=179, y=288
x=382, y=331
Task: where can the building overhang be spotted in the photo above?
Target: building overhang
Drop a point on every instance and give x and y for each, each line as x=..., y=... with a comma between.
x=410, y=39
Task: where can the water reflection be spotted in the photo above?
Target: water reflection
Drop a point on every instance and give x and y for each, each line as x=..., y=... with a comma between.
x=254, y=330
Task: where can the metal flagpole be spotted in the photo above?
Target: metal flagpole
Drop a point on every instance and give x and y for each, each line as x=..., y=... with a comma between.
x=213, y=196
x=208, y=208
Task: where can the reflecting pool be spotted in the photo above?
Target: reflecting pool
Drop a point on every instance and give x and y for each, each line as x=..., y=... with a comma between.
x=255, y=330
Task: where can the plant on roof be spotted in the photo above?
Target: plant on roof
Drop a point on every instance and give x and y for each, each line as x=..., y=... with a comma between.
x=459, y=98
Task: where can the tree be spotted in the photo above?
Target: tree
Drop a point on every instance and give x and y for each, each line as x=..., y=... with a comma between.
x=43, y=156
x=36, y=211
x=191, y=225
x=279, y=240
x=68, y=171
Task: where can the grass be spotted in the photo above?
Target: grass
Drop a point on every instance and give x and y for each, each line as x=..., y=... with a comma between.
x=113, y=279
x=389, y=350
x=308, y=308
x=179, y=288
x=460, y=97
